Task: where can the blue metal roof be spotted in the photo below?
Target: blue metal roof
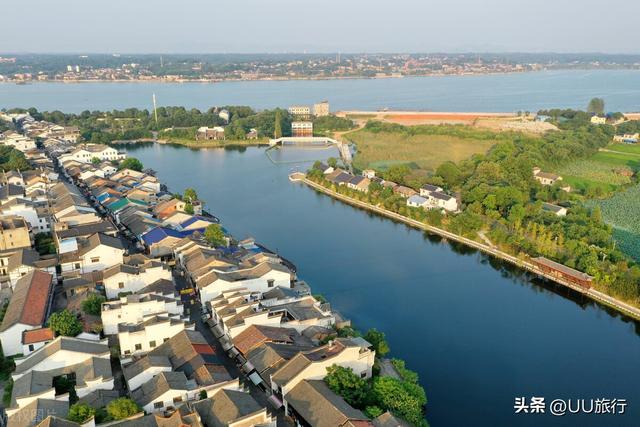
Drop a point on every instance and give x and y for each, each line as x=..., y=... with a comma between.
x=158, y=234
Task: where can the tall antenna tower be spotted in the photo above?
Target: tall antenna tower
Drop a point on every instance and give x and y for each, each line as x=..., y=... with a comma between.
x=161, y=62
x=155, y=110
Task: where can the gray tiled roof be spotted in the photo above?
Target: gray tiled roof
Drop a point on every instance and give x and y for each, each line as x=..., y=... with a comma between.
x=320, y=406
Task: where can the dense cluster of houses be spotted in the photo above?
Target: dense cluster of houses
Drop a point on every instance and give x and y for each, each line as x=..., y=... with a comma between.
x=118, y=233
x=429, y=196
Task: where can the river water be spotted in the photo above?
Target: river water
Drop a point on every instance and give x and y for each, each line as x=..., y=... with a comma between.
x=478, y=332
x=485, y=93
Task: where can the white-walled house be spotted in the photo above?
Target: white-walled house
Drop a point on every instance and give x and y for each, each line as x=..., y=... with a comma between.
x=25, y=260
x=35, y=214
x=33, y=339
x=259, y=278
x=134, y=308
x=86, y=153
x=98, y=252
x=172, y=389
x=28, y=309
x=124, y=278
x=142, y=337
x=354, y=353
x=89, y=361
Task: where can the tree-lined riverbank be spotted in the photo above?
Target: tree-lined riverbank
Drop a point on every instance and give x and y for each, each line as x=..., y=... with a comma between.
x=521, y=262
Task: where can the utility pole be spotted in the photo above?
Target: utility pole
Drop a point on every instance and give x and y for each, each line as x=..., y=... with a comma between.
x=161, y=62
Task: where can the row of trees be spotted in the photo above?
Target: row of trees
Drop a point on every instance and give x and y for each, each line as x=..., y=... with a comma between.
x=501, y=197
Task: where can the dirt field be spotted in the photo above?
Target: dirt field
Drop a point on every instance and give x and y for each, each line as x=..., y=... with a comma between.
x=514, y=124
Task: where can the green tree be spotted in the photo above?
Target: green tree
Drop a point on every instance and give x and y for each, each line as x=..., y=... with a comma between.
x=131, y=163
x=122, y=407
x=596, y=106
x=277, y=129
x=190, y=194
x=332, y=162
x=596, y=215
x=214, y=235
x=93, y=304
x=80, y=413
x=65, y=323
x=403, y=398
x=378, y=341
x=344, y=382
x=95, y=161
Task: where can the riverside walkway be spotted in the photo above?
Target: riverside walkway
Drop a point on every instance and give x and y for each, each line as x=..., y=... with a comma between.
x=596, y=295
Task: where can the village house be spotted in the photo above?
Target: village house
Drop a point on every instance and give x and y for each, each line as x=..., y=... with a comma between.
x=28, y=309
x=98, y=252
x=141, y=337
x=86, y=361
x=311, y=402
x=25, y=260
x=369, y=173
x=627, y=138
x=545, y=178
x=11, y=191
x=14, y=233
x=87, y=152
x=416, y=201
x=35, y=213
x=259, y=278
x=598, y=120
x=554, y=209
x=359, y=183
x=444, y=201
x=125, y=278
x=403, y=191
x=215, y=133
x=188, y=352
x=234, y=408
x=33, y=339
x=134, y=308
x=354, y=353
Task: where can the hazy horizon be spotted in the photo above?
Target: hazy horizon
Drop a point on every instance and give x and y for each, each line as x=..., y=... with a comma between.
x=285, y=26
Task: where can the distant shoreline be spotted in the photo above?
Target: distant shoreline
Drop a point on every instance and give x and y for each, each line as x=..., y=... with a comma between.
x=313, y=78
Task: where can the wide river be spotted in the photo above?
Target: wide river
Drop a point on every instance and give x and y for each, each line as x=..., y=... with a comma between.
x=499, y=92
x=478, y=332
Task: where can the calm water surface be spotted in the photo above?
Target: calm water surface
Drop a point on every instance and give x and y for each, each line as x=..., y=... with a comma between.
x=478, y=333
x=500, y=92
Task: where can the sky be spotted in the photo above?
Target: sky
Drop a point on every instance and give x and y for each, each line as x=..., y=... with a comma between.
x=349, y=26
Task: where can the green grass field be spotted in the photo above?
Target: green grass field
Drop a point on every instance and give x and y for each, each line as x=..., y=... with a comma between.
x=625, y=148
x=384, y=149
x=622, y=212
x=606, y=170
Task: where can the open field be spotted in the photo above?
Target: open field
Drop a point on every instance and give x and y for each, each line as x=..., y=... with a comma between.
x=383, y=149
x=606, y=170
x=622, y=212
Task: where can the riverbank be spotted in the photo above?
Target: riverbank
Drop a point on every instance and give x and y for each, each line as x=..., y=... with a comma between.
x=522, y=263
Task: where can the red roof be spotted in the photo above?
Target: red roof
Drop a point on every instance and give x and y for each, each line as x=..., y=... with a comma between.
x=203, y=349
x=37, y=335
x=37, y=298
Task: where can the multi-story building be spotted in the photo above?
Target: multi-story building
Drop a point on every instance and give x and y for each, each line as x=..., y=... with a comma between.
x=321, y=109
x=301, y=129
x=300, y=111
